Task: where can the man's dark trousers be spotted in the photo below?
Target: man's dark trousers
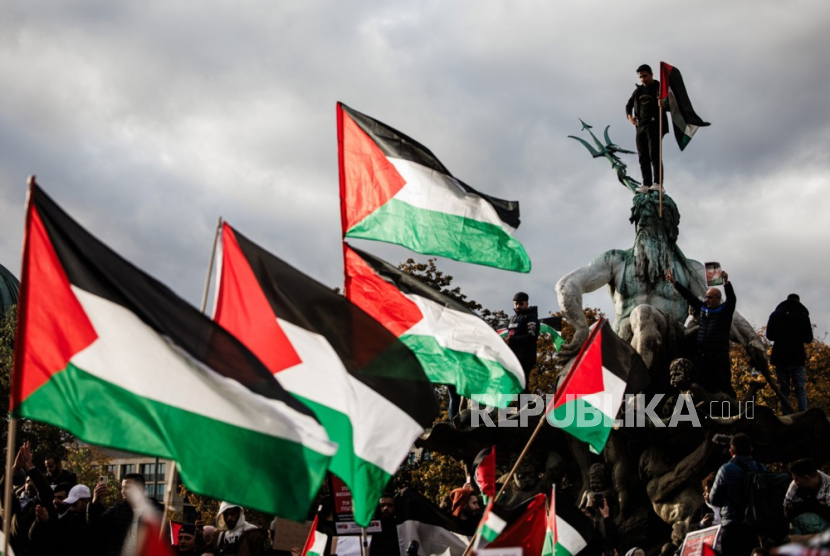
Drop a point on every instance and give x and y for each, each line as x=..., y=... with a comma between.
x=648, y=150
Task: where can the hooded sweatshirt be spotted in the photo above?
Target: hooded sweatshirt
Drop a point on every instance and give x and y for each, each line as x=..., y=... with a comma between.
x=244, y=539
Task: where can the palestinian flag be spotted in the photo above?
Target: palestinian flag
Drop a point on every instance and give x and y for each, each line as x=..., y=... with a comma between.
x=526, y=526
x=117, y=359
x=684, y=119
x=569, y=532
x=453, y=344
x=437, y=533
x=366, y=388
x=485, y=465
x=491, y=526
x=545, y=328
x=315, y=544
x=586, y=403
x=393, y=189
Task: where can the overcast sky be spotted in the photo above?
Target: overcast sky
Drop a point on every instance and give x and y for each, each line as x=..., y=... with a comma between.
x=148, y=120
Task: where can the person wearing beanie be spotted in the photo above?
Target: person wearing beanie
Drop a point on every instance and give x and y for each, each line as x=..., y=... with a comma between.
x=522, y=333
x=643, y=111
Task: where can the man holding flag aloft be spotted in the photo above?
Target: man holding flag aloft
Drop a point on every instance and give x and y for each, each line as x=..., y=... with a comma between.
x=642, y=111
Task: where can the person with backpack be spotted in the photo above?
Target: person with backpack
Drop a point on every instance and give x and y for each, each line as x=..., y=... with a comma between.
x=729, y=492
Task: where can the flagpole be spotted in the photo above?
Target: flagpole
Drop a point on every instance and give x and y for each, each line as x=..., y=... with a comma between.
x=509, y=476
x=7, y=494
x=660, y=155
x=210, y=264
x=168, y=496
x=362, y=541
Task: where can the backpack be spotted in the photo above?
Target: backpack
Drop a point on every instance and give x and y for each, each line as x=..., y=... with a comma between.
x=765, y=492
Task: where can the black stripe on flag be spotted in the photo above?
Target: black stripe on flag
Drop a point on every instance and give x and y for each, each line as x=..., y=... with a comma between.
x=370, y=353
x=92, y=266
x=408, y=284
x=395, y=144
x=621, y=359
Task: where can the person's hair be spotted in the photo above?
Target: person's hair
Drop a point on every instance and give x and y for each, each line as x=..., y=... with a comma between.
x=646, y=68
x=56, y=458
x=386, y=495
x=760, y=551
x=793, y=297
x=137, y=477
x=521, y=296
x=741, y=444
x=804, y=468
x=709, y=480
x=62, y=487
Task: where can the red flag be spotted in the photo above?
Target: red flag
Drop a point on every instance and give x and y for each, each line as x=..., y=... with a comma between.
x=175, y=527
x=485, y=463
x=527, y=531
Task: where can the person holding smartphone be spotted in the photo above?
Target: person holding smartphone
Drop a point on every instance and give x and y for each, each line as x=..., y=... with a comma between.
x=714, y=316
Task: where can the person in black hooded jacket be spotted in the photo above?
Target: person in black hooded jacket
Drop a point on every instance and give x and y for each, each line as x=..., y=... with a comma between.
x=789, y=328
x=522, y=333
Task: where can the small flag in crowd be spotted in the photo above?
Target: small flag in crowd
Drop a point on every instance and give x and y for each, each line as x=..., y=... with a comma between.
x=526, y=526
x=485, y=465
x=393, y=189
x=117, y=359
x=586, y=403
x=315, y=544
x=356, y=376
x=569, y=532
x=454, y=345
x=684, y=119
x=545, y=328
x=490, y=527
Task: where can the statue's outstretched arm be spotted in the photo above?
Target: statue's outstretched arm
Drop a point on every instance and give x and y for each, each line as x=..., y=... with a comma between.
x=599, y=272
x=684, y=470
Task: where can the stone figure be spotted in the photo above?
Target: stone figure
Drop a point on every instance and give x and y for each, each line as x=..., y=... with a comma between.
x=649, y=312
x=673, y=494
x=536, y=474
x=599, y=483
x=681, y=376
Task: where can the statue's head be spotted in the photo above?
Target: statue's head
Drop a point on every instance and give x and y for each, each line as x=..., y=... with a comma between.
x=529, y=472
x=652, y=464
x=655, y=236
x=680, y=372
x=598, y=477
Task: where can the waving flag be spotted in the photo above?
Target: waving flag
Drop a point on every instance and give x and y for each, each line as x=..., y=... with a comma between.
x=315, y=544
x=366, y=388
x=526, y=527
x=684, y=119
x=586, y=403
x=485, y=465
x=393, y=189
x=454, y=345
x=569, y=532
x=117, y=359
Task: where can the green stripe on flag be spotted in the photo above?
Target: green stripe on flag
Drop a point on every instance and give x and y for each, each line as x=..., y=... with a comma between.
x=584, y=421
x=481, y=376
x=100, y=412
x=436, y=233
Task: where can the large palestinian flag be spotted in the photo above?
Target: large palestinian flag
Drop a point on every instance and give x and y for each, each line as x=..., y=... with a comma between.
x=117, y=359
x=366, y=388
x=453, y=344
x=586, y=403
x=684, y=118
x=393, y=189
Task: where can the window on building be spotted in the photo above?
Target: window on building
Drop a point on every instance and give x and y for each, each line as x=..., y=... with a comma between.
x=149, y=472
x=160, y=491
x=126, y=469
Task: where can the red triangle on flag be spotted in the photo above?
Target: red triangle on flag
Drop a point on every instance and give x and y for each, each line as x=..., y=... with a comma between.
x=367, y=178
x=585, y=377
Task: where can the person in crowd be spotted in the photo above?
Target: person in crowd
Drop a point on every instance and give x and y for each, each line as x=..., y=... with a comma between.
x=235, y=536
x=706, y=515
x=789, y=328
x=809, y=491
x=643, y=111
x=729, y=493
x=23, y=517
x=191, y=542
x=760, y=551
x=715, y=322
x=600, y=513
x=117, y=526
x=523, y=332
x=466, y=506
x=385, y=542
x=55, y=473
x=636, y=551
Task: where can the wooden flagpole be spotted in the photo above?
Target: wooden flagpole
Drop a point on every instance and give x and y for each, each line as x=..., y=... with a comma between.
x=168, y=492
x=7, y=494
x=660, y=151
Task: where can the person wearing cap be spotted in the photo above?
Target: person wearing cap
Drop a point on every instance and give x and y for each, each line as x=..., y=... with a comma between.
x=190, y=541
x=643, y=111
x=68, y=533
x=522, y=333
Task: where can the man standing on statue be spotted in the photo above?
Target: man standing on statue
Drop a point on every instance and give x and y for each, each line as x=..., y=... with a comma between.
x=642, y=111
x=715, y=322
x=522, y=333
